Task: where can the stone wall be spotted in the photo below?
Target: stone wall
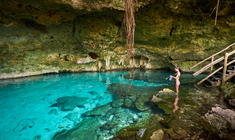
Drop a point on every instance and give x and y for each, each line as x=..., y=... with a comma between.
x=57, y=36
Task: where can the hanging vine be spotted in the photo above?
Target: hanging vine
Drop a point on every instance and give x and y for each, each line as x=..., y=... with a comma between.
x=216, y=13
x=129, y=24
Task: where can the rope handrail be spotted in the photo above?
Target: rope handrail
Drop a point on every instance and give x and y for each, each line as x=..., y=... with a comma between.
x=212, y=55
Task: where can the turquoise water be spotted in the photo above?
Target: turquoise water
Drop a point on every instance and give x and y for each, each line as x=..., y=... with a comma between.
x=41, y=106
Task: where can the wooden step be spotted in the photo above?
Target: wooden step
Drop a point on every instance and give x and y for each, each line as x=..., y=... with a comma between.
x=230, y=71
x=214, y=83
x=216, y=77
x=231, y=67
x=229, y=76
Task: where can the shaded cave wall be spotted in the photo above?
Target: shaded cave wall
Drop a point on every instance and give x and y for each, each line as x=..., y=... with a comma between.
x=55, y=35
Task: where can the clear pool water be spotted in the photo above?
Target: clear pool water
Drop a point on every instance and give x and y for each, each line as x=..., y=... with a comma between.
x=98, y=104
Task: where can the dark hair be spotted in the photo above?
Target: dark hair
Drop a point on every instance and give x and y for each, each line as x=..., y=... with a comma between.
x=176, y=67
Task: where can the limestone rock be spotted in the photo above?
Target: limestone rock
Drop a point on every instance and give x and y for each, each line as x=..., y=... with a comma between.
x=231, y=102
x=220, y=122
x=166, y=91
x=155, y=99
x=85, y=60
x=177, y=133
x=227, y=114
x=215, y=123
x=157, y=135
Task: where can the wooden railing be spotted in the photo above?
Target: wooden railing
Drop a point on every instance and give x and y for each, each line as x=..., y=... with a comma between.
x=213, y=62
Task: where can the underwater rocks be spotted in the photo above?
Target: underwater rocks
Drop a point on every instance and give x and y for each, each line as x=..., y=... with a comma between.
x=101, y=123
x=23, y=125
x=131, y=96
x=141, y=130
x=117, y=103
x=184, y=123
x=99, y=111
x=68, y=103
x=87, y=129
x=125, y=90
x=53, y=111
x=163, y=99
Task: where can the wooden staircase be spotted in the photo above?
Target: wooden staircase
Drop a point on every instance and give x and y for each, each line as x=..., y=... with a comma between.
x=222, y=73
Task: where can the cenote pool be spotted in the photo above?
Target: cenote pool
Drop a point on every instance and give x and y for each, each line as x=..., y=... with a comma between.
x=96, y=104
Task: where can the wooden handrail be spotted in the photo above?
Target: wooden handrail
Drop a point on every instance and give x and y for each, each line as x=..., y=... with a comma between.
x=229, y=76
x=204, y=79
x=225, y=77
x=212, y=55
x=220, y=68
x=231, y=53
x=208, y=66
x=212, y=64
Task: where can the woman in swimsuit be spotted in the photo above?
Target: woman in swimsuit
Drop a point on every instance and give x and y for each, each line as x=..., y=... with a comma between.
x=177, y=80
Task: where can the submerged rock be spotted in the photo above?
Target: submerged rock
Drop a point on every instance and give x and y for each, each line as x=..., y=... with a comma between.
x=132, y=96
x=53, y=111
x=129, y=102
x=23, y=125
x=140, y=103
x=99, y=111
x=125, y=90
x=72, y=117
x=86, y=130
x=68, y=103
x=37, y=137
x=164, y=99
x=117, y=103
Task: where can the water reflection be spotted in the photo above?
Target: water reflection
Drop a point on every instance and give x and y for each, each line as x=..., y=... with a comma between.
x=175, y=104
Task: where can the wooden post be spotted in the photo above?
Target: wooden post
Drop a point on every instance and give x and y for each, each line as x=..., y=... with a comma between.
x=212, y=59
x=225, y=66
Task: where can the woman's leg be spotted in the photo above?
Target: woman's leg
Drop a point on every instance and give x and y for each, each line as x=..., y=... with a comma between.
x=175, y=104
x=177, y=88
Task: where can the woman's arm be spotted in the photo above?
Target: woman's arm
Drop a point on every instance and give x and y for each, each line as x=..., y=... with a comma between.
x=173, y=77
x=176, y=77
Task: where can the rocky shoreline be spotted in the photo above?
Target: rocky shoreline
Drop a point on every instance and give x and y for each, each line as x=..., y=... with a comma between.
x=201, y=115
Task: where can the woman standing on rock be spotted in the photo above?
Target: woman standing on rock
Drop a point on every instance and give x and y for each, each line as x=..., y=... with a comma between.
x=177, y=79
